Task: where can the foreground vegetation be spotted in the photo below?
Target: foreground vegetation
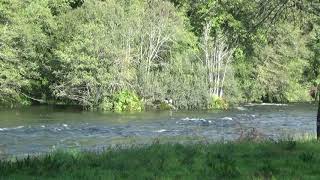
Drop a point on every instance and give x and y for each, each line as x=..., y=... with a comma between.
x=241, y=160
x=125, y=55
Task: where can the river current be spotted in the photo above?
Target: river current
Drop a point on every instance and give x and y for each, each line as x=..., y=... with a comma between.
x=41, y=129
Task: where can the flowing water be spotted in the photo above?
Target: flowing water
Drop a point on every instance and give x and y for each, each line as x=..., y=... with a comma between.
x=41, y=129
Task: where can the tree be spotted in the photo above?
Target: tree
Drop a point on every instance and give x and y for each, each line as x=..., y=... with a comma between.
x=25, y=50
x=88, y=52
x=217, y=57
x=281, y=65
x=102, y=53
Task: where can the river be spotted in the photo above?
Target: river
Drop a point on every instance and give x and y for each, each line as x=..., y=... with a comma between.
x=41, y=129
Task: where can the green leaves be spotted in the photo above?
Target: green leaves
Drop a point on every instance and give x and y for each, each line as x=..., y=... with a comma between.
x=218, y=103
x=126, y=101
x=282, y=64
x=86, y=52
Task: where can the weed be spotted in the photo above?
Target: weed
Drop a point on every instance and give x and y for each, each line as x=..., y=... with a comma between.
x=306, y=156
x=242, y=160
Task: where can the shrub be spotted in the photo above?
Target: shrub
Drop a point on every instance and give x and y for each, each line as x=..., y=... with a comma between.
x=106, y=104
x=127, y=101
x=165, y=106
x=217, y=103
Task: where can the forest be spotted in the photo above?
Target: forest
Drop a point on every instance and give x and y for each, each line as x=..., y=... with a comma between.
x=132, y=55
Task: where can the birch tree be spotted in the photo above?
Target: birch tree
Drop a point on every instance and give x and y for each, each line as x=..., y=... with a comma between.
x=158, y=33
x=217, y=58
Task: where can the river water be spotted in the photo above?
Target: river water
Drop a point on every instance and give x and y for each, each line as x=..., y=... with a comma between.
x=40, y=129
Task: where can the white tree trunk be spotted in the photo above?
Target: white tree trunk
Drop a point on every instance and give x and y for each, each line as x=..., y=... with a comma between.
x=217, y=59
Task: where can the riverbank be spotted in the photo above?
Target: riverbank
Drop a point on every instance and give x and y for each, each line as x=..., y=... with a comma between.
x=238, y=160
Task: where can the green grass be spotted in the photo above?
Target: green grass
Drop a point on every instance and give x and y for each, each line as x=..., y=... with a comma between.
x=241, y=160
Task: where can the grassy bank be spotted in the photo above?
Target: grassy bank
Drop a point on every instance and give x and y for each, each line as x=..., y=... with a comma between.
x=245, y=160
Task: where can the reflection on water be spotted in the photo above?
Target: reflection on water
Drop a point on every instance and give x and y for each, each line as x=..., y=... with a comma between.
x=42, y=128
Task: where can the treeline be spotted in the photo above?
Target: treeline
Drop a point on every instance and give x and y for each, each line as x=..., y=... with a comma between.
x=128, y=55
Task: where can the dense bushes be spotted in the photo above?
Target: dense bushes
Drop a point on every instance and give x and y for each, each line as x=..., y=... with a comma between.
x=89, y=52
x=127, y=101
x=218, y=103
x=124, y=101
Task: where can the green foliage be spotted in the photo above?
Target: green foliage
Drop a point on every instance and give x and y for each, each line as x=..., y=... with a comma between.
x=218, y=103
x=283, y=63
x=24, y=47
x=244, y=160
x=97, y=59
x=165, y=106
x=85, y=52
x=297, y=92
x=307, y=157
x=223, y=164
x=267, y=170
x=106, y=104
x=290, y=145
x=126, y=101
